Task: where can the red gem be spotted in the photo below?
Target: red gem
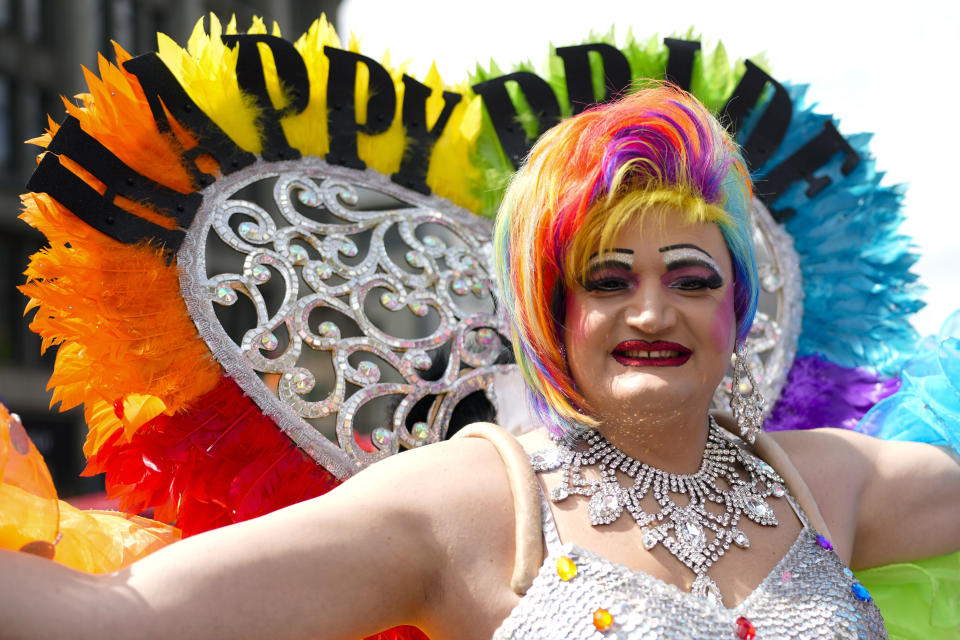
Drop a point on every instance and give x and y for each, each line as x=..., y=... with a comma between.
x=745, y=630
x=118, y=408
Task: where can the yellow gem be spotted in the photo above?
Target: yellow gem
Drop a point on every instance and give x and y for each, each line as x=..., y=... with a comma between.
x=602, y=619
x=566, y=569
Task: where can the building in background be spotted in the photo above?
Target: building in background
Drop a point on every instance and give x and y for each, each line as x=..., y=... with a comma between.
x=43, y=44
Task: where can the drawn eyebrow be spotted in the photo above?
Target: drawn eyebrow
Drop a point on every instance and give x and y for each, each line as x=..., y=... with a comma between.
x=673, y=247
x=615, y=250
x=684, y=255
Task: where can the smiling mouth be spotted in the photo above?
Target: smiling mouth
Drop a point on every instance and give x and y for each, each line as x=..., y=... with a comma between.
x=639, y=353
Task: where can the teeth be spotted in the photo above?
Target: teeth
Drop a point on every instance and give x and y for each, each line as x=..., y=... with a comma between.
x=651, y=354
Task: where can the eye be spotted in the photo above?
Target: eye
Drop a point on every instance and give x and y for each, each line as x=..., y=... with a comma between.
x=696, y=283
x=606, y=283
x=689, y=284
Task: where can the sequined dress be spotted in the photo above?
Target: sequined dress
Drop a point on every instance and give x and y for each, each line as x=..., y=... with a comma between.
x=808, y=595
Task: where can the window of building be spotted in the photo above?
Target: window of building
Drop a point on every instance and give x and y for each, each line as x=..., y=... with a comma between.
x=7, y=127
x=6, y=15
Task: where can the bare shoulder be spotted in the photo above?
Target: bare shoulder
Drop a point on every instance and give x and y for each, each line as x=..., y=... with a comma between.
x=823, y=444
x=831, y=461
x=835, y=464
x=437, y=480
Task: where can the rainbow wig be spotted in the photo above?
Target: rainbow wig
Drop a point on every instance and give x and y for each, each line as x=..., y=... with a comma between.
x=656, y=150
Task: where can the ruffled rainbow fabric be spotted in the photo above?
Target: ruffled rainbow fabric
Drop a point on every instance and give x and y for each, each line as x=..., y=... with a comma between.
x=33, y=520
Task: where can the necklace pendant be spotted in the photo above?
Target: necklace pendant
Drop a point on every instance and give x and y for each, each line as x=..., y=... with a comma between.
x=755, y=507
x=691, y=535
x=606, y=504
x=547, y=459
x=705, y=588
x=650, y=538
x=740, y=539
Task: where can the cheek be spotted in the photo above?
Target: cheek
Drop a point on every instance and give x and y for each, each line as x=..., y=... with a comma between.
x=576, y=321
x=724, y=323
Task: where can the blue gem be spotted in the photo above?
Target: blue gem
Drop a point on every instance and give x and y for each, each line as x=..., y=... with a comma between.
x=860, y=592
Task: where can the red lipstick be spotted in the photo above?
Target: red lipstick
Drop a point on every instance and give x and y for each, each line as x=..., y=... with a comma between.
x=640, y=353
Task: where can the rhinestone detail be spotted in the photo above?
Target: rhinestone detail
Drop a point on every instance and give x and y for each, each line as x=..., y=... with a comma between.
x=327, y=267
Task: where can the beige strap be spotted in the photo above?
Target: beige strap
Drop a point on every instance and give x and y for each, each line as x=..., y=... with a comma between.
x=526, y=501
x=774, y=455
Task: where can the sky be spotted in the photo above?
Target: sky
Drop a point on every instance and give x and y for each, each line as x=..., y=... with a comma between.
x=889, y=68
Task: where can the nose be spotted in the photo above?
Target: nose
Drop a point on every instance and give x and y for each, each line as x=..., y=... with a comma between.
x=650, y=309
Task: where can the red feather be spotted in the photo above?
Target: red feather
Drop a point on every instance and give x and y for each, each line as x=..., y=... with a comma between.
x=223, y=461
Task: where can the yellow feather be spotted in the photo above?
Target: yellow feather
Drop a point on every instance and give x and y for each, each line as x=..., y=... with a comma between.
x=207, y=72
x=307, y=131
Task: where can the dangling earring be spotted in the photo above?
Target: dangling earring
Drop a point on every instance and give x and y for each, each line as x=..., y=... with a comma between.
x=747, y=407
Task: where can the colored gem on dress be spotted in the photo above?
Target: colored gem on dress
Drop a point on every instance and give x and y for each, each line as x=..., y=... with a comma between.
x=566, y=568
x=823, y=542
x=745, y=629
x=786, y=576
x=602, y=619
x=860, y=592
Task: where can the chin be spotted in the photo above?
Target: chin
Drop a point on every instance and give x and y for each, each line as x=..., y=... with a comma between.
x=649, y=391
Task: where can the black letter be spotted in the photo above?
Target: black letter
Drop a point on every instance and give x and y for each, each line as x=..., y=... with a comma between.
x=341, y=96
x=413, y=168
x=292, y=73
x=680, y=61
x=163, y=90
x=503, y=114
x=801, y=165
x=576, y=67
x=97, y=210
x=772, y=126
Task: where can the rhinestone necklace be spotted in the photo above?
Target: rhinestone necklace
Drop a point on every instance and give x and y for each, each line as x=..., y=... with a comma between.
x=695, y=535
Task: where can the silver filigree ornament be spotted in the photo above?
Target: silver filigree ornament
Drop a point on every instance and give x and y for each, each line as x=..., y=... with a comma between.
x=693, y=533
x=772, y=341
x=372, y=275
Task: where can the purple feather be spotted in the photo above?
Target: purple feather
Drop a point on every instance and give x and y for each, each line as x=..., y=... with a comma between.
x=820, y=393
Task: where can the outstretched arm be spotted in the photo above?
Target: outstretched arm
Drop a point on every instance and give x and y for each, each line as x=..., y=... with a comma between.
x=887, y=501
x=344, y=565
